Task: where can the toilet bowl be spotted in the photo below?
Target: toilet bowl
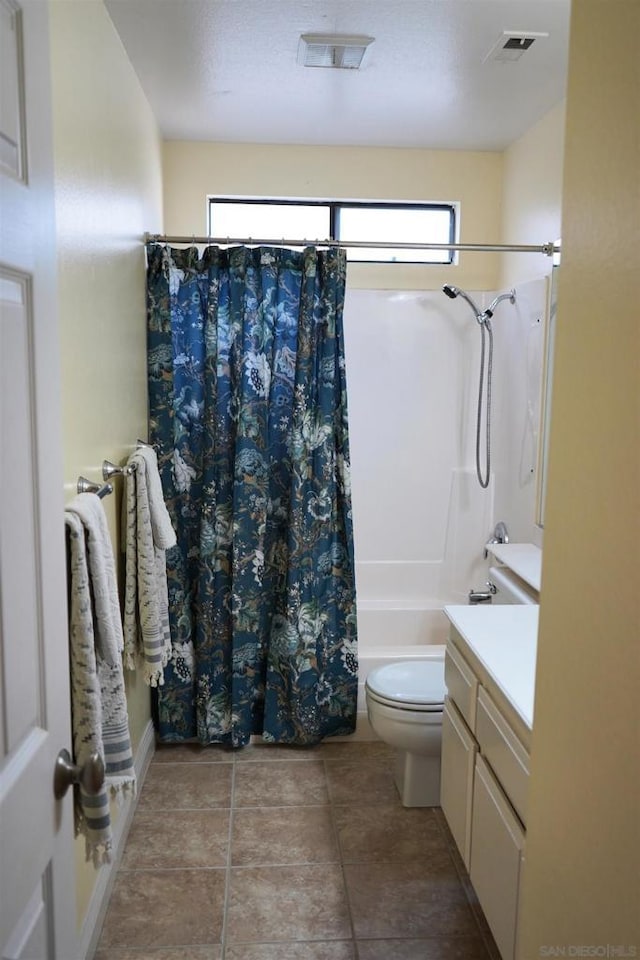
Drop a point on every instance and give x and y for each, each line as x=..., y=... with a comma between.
x=404, y=704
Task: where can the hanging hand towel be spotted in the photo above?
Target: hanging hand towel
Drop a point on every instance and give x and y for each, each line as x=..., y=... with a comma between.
x=148, y=534
x=98, y=703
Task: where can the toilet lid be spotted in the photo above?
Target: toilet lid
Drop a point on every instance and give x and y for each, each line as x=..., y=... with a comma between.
x=409, y=681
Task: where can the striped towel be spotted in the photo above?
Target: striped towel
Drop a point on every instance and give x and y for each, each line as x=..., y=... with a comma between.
x=98, y=702
x=148, y=533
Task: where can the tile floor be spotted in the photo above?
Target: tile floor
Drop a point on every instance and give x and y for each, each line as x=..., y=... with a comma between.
x=282, y=853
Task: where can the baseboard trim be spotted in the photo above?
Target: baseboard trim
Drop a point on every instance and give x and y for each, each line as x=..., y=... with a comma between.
x=92, y=926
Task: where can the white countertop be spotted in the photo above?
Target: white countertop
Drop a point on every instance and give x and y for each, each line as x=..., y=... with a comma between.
x=525, y=559
x=504, y=640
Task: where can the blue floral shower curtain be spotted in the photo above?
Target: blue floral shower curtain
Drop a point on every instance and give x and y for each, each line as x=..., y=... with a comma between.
x=248, y=412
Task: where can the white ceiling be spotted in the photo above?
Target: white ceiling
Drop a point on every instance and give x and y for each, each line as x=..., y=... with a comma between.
x=226, y=70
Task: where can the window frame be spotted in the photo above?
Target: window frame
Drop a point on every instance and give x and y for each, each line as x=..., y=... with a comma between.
x=335, y=206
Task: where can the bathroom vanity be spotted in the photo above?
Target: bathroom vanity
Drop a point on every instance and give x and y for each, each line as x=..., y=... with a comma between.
x=486, y=735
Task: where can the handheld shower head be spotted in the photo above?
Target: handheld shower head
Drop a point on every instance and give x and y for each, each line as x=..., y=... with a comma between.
x=454, y=292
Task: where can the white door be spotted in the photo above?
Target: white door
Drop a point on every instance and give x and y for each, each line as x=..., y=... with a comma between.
x=37, y=892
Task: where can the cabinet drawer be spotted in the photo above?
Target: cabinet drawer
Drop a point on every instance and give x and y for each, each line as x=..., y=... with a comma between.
x=504, y=753
x=461, y=685
x=497, y=845
x=456, y=777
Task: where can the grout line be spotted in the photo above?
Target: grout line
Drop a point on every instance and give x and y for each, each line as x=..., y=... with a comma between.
x=340, y=861
x=284, y=806
x=227, y=881
x=173, y=809
x=189, y=763
x=172, y=869
x=271, y=865
x=259, y=864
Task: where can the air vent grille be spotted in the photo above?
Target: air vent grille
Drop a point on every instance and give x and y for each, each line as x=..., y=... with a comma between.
x=512, y=44
x=327, y=50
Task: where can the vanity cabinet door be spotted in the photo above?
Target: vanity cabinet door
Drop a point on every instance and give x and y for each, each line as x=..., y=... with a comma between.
x=504, y=753
x=456, y=777
x=461, y=684
x=497, y=845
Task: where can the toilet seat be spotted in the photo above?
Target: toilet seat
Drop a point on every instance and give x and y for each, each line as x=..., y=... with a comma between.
x=408, y=707
x=416, y=685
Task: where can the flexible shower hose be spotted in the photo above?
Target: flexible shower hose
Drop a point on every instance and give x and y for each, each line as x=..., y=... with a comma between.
x=485, y=328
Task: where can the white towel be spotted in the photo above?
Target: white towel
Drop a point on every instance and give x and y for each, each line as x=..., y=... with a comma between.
x=148, y=534
x=102, y=570
x=163, y=533
x=98, y=702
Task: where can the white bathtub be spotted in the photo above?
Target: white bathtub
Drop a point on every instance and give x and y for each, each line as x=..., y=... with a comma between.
x=390, y=631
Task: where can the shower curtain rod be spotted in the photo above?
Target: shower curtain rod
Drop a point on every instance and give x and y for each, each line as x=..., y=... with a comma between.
x=547, y=248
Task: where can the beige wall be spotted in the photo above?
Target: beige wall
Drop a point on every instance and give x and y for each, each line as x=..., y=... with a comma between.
x=108, y=191
x=532, y=196
x=581, y=870
x=194, y=170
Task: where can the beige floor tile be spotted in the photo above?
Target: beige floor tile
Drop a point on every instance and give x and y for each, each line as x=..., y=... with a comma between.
x=369, y=781
x=269, y=904
x=192, y=752
x=354, y=751
x=441, y=820
x=408, y=900
x=386, y=833
x=164, y=908
x=177, y=838
x=213, y=952
x=410, y=896
x=176, y=786
x=275, y=751
x=333, y=950
x=279, y=783
x=472, y=899
x=264, y=835
x=464, y=948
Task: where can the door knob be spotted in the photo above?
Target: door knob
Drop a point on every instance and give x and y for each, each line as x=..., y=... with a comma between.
x=90, y=776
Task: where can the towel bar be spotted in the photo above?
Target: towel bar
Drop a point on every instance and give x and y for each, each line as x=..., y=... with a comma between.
x=110, y=469
x=87, y=486
x=143, y=443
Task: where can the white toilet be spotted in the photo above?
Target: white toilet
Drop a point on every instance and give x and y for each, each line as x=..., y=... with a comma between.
x=404, y=703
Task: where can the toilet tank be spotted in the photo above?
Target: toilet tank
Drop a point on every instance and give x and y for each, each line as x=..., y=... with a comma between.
x=510, y=588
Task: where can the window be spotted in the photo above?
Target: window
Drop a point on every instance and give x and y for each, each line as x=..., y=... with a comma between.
x=358, y=221
x=269, y=220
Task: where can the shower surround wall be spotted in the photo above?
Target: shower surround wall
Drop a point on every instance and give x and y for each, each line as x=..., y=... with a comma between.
x=420, y=517
x=518, y=357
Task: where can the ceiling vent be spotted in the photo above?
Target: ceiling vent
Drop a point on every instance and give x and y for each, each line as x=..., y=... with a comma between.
x=332, y=50
x=512, y=44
